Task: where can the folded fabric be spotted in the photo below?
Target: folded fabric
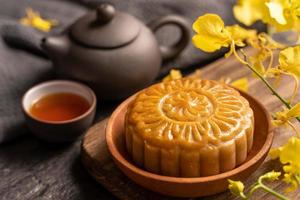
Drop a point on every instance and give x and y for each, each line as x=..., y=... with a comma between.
x=23, y=63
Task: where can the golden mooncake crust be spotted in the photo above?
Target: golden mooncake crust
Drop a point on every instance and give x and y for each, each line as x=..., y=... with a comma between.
x=189, y=128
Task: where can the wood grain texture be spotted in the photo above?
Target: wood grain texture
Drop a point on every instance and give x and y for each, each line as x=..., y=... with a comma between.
x=97, y=160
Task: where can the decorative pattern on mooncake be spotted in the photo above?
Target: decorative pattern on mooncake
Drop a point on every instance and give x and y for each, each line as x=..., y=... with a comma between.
x=189, y=128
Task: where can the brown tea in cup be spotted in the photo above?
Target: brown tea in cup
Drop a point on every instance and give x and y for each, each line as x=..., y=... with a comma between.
x=59, y=107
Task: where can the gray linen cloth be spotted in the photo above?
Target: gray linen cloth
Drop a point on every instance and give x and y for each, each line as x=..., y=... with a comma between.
x=23, y=64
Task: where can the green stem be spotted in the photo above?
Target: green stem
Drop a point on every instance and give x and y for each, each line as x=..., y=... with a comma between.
x=269, y=86
x=285, y=102
x=261, y=185
x=252, y=190
x=243, y=196
x=274, y=193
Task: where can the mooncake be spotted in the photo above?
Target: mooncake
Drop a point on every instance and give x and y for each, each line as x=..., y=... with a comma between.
x=189, y=128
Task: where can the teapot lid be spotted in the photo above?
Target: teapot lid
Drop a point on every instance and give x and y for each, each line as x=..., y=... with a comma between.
x=105, y=28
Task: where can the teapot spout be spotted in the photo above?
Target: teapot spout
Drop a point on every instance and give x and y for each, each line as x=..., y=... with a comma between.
x=55, y=46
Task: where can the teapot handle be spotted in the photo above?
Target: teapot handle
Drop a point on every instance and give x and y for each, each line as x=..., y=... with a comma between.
x=169, y=52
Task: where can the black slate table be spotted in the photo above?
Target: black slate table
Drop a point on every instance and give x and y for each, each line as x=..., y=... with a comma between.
x=33, y=169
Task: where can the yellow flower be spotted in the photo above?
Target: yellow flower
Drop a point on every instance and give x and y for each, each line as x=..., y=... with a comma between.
x=288, y=155
x=236, y=187
x=274, y=153
x=284, y=116
x=292, y=180
x=212, y=34
x=173, y=74
x=239, y=34
x=34, y=20
x=267, y=42
x=283, y=14
x=257, y=61
x=249, y=11
x=241, y=84
x=289, y=64
x=264, y=45
x=277, y=12
x=289, y=60
x=270, y=176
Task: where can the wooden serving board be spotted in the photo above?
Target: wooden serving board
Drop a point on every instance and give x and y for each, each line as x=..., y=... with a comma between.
x=97, y=160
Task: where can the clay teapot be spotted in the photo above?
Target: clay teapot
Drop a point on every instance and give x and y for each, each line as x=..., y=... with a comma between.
x=112, y=51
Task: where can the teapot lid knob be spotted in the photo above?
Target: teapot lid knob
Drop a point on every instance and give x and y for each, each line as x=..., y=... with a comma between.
x=105, y=27
x=105, y=12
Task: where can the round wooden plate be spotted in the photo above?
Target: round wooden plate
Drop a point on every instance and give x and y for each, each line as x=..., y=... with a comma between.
x=179, y=187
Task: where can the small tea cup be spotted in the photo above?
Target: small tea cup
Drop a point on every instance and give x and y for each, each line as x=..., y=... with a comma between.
x=59, y=131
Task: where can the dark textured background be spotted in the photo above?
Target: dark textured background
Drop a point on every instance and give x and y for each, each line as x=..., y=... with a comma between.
x=32, y=169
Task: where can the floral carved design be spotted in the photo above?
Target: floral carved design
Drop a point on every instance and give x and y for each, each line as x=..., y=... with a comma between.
x=196, y=111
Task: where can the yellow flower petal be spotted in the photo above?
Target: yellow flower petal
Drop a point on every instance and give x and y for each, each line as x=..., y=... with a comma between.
x=241, y=84
x=276, y=12
x=249, y=11
x=271, y=176
x=239, y=34
x=34, y=20
x=289, y=60
x=292, y=180
x=282, y=14
x=264, y=45
x=173, y=74
x=274, y=153
x=290, y=152
x=236, y=187
x=257, y=61
x=267, y=42
x=294, y=111
x=283, y=117
x=211, y=34
x=289, y=156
